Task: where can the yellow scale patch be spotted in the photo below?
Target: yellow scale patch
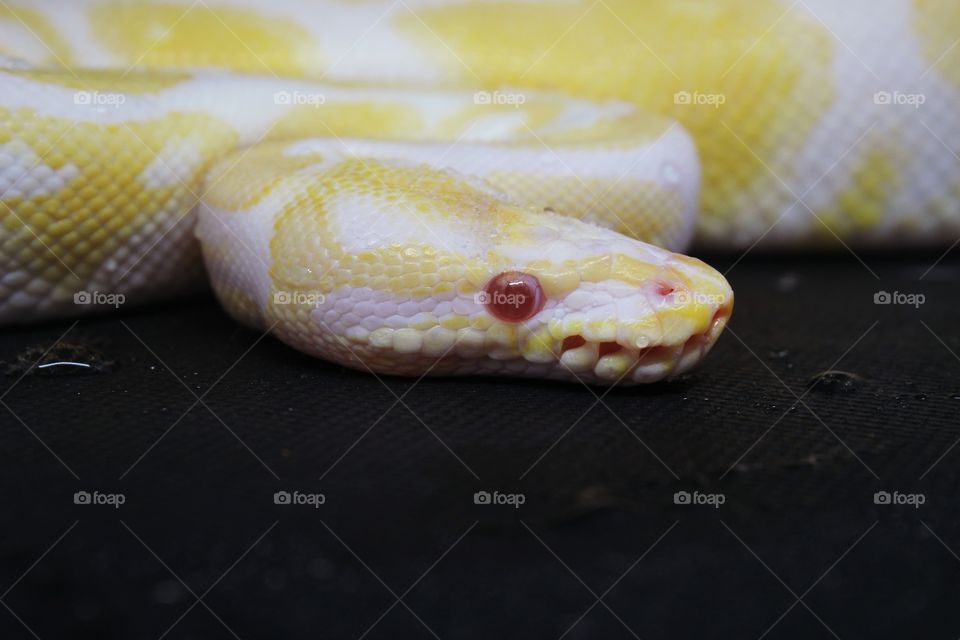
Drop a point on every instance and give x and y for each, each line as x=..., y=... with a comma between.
x=303, y=245
x=90, y=218
x=771, y=80
x=860, y=206
x=937, y=23
x=245, y=181
x=636, y=208
x=642, y=210
x=34, y=25
x=633, y=129
x=193, y=34
x=107, y=80
x=342, y=119
x=534, y=114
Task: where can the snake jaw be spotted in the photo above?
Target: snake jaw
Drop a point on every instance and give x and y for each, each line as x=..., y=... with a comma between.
x=643, y=350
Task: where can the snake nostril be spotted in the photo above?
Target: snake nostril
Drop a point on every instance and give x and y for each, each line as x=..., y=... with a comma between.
x=664, y=289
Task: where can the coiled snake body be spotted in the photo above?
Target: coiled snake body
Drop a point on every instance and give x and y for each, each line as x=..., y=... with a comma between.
x=457, y=186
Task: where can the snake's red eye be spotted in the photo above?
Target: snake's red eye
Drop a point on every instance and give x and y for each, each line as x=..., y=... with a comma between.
x=513, y=296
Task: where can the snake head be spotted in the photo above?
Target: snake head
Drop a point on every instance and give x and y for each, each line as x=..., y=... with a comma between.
x=569, y=300
x=398, y=268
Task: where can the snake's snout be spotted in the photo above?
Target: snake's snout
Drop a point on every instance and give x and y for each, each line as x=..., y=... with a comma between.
x=642, y=331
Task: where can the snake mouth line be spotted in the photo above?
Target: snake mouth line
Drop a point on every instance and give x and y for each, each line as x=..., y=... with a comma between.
x=611, y=361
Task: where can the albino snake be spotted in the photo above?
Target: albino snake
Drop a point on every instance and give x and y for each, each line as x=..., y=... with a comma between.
x=463, y=186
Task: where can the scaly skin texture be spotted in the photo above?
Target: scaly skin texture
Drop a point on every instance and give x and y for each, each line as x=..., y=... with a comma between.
x=815, y=121
x=382, y=265
x=354, y=249
x=805, y=114
x=100, y=171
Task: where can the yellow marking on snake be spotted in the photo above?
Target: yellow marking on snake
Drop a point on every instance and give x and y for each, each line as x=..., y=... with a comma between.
x=104, y=200
x=937, y=23
x=860, y=204
x=106, y=80
x=193, y=34
x=656, y=54
x=384, y=119
x=33, y=27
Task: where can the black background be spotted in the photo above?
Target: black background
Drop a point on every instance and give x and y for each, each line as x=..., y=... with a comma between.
x=798, y=549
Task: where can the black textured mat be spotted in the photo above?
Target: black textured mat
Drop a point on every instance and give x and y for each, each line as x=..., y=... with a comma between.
x=196, y=425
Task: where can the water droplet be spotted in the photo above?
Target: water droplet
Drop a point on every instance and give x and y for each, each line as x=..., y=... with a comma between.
x=779, y=354
x=835, y=382
x=955, y=396
x=921, y=396
x=63, y=359
x=671, y=175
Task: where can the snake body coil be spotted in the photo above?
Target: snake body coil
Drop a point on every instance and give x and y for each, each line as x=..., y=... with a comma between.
x=501, y=220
